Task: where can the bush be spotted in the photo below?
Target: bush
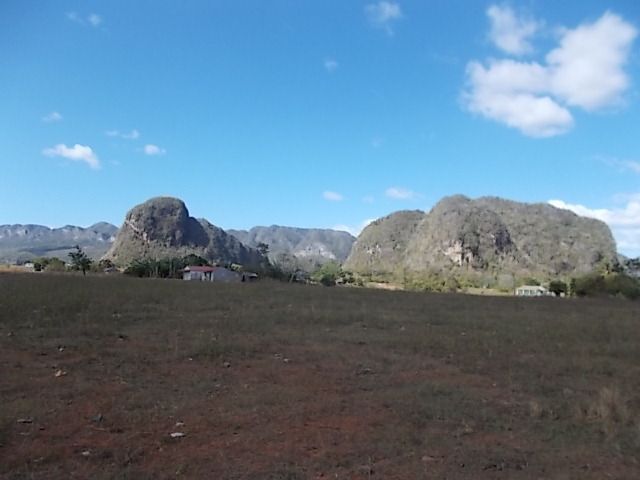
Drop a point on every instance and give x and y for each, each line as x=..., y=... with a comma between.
x=328, y=274
x=558, y=287
x=617, y=284
x=621, y=284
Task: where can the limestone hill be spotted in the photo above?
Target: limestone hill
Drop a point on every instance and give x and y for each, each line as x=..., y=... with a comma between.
x=161, y=227
x=489, y=235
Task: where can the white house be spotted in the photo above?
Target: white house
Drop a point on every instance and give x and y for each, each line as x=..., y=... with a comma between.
x=210, y=274
x=532, y=291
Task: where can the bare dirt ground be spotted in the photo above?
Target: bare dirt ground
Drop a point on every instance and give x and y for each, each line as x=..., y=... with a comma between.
x=277, y=381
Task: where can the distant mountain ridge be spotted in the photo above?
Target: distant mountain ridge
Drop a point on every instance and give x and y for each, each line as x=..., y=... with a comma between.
x=488, y=235
x=23, y=242
x=161, y=227
x=311, y=246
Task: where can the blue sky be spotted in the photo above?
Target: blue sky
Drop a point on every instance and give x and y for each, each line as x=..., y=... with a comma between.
x=326, y=113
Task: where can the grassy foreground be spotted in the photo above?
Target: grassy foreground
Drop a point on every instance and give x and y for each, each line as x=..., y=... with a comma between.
x=278, y=381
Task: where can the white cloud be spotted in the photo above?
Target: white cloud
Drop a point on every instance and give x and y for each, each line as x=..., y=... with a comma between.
x=383, y=14
x=132, y=135
x=74, y=17
x=52, y=117
x=332, y=196
x=509, y=32
x=621, y=164
x=368, y=199
x=331, y=65
x=510, y=92
x=77, y=153
x=354, y=229
x=94, y=19
x=585, y=70
x=399, y=193
x=624, y=221
x=630, y=165
x=151, y=149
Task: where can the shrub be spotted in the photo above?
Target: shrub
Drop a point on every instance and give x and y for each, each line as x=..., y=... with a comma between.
x=558, y=287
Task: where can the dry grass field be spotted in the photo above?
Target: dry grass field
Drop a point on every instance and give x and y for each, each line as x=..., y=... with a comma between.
x=278, y=381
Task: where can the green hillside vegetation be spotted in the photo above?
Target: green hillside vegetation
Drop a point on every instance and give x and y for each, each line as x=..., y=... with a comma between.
x=484, y=243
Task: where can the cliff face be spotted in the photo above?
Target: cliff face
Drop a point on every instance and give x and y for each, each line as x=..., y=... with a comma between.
x=161, y=227
x=309, y=246
x=488, y=235
x=381, y=247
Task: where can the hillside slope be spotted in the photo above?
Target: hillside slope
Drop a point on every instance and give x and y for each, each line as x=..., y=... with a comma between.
x=462, y=237
x=311, y=246
x=23, y=242
x=161, y=227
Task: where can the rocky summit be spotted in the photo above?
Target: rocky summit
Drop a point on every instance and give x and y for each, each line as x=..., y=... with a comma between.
x=310, y=247
x=20, y=243
x=462, y=236
x=161, y=227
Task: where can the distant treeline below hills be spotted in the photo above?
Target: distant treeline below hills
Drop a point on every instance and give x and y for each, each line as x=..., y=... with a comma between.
x=486, y=241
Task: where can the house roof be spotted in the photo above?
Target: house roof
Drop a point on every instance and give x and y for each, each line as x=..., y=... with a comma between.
x=533, y=287
x=199, y=269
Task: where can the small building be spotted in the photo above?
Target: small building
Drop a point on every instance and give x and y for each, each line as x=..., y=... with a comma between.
x=210, y=274
x=532, y=291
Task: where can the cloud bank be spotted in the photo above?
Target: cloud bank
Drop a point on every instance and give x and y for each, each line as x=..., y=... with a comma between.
x=585, y=71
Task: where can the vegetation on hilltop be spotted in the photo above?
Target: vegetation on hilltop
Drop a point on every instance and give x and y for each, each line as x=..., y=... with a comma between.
x=482, y=242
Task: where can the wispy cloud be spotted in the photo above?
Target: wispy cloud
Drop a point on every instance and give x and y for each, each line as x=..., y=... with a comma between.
x=77, y=153
x=368, y=199
x=52, y=117
x=132, y=135
x=399, y=193
x=624, y=220
x=330, y=65
x=383, y=15
x=151, y=149
x=509, y=32
x=354, y=229
x=93, y=19
x=332, y=196
x=585, y=70
x=622, y=164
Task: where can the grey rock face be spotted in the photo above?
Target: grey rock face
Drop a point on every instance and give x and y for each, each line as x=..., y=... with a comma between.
x=310, y=246
x=161, y=227
x=381, y=247
x=23, y=242
x=488, y=234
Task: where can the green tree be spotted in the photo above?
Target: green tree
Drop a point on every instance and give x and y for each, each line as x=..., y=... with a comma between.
x=193, y=260
x=55, y=265
x=558, y=287
x=327, y=274
x=80, y=260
